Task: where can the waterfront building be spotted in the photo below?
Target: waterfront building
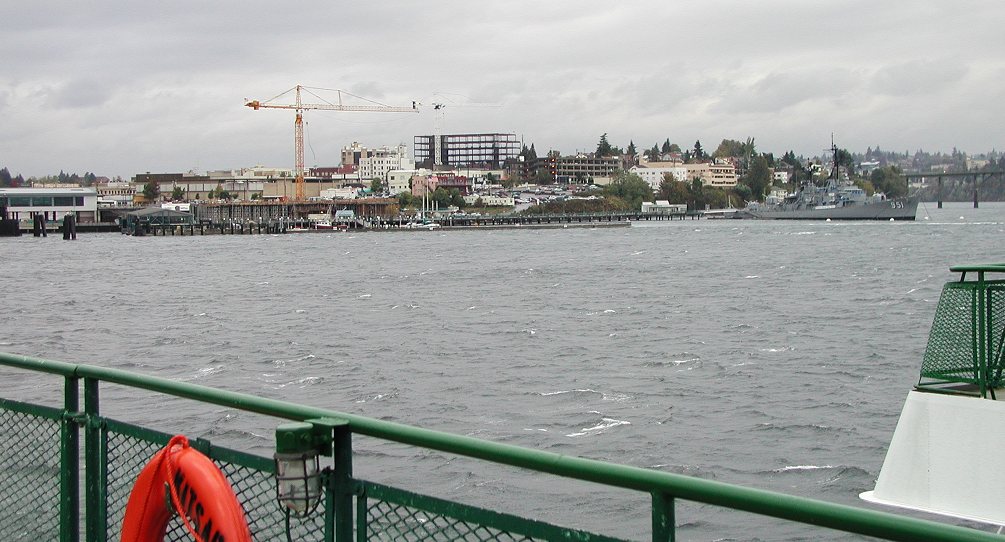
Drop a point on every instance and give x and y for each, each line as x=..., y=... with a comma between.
x=671, y=160
x=54, y=203
x=428, y=183
x=195, y=187
x=466, y=150
x=490, y=200
x=582, y=168
x=285, y=189
x=374, y=163
x=449, y=180
x=345, y=192
x=115, y=194
x=241, y=186
x=342, y=171
x=253, y=172
x=384, y=160
x=247, y=183
x=654, y=175
x=481, y=176
x=718, y=174
x=399, y=181
x=578, y=169
x=867, y=167
x=353, y=153
x=423, y=185
x=663, y=207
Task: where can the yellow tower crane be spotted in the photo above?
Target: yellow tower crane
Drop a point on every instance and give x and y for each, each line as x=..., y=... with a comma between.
x=298, y=128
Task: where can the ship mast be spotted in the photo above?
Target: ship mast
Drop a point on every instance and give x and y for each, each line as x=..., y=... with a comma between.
x=836, y=169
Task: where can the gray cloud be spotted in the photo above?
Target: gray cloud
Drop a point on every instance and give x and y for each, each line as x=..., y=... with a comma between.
x=79, y=93
x=120, y=87
x=918, y=77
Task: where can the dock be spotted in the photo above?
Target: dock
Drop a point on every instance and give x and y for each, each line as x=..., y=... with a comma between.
x=408, y=223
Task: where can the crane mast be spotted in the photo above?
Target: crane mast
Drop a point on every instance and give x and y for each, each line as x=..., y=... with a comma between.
x=298, y=125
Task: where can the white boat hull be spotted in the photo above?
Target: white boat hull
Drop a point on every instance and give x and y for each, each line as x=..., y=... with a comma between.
x=945, y=458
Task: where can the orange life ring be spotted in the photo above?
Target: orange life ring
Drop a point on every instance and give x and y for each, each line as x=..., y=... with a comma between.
x=200, y=494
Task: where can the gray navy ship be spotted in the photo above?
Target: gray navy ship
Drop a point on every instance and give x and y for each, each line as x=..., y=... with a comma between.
x=837, y=200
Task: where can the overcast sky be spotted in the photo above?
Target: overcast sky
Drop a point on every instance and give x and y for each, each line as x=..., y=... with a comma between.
x=118, y=88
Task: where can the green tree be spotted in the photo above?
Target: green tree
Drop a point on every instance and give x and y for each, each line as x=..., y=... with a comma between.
x=376, y=186
x=456, y=198
x=866, y=185
x=631, y=148
x=152, y=191
x=543, y=176
x=799, y=173
x=748, y=150
x=525, y=153
x=698, y=153
x=654, y=153
x=889, y=181
x=758, y=177
x=673, y=190
x=405, y=199
x=603, y=147
x=5, y=177
x=697, y=192
x=177, y=194
x=728, y=148
x=666, y=146
x=441, y=198
x=630, y=188
x=790, y=158
x=846, y=161
x=714, y=197
x=743, y=192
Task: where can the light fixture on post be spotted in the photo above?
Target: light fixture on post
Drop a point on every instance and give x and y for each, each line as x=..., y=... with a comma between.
x=298, y=476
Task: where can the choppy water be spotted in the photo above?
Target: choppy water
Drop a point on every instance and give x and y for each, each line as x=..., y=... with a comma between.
x=770, y=354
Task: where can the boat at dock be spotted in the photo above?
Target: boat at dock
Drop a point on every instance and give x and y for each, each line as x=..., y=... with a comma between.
x=837, y=199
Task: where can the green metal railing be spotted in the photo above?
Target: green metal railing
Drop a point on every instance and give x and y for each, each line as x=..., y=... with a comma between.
x=967, y=339
x=41, y=497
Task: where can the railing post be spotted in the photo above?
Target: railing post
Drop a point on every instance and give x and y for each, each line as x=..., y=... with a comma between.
x=663, y=517
x=343, y=484
x=335, y=438
x=95, y=445
x=69, y=464
x=983, y=351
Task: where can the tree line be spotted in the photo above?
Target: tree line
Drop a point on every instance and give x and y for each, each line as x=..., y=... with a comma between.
x=11, y=181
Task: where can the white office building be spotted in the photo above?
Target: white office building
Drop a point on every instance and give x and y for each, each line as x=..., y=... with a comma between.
x=655, y=175
x=382, y=160
x=54, y=203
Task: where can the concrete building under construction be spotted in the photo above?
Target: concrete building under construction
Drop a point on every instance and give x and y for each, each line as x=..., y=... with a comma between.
x=466, y=150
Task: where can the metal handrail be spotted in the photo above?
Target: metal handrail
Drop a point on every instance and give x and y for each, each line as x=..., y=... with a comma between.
x=663, y=486
x=976, y=268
